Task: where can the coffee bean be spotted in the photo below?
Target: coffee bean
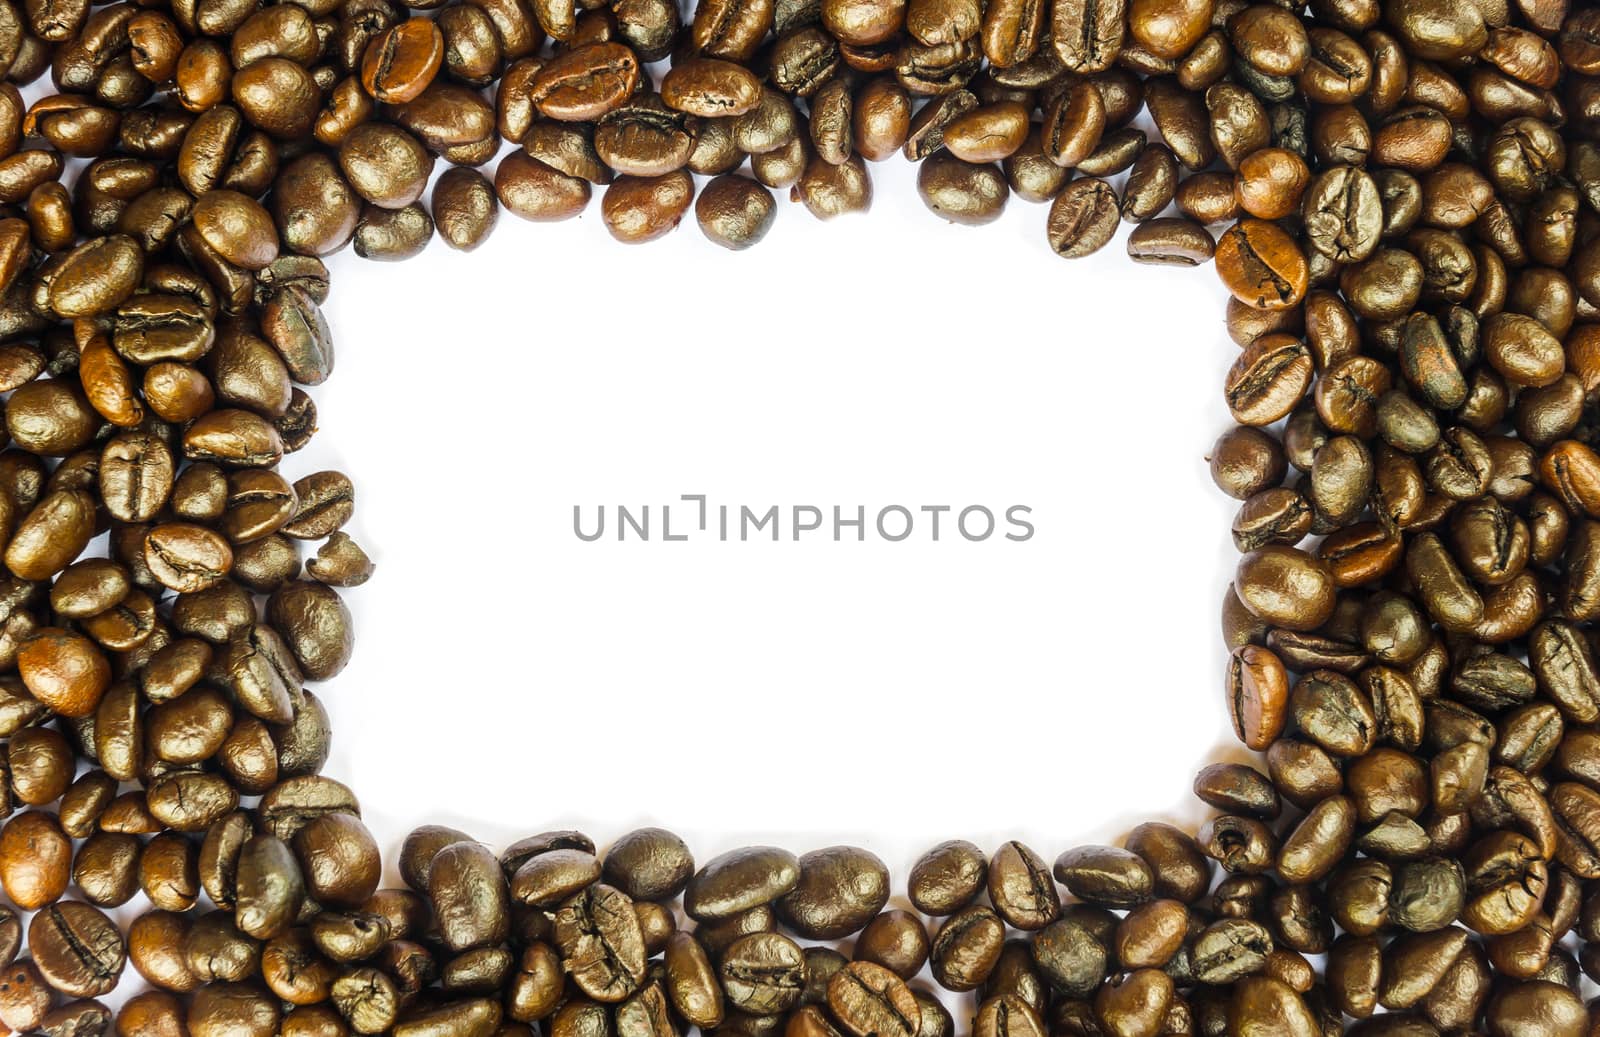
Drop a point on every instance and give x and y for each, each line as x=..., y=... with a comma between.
x=691, y=982
x=730, y=29
x=80, y=1018
x=1171, y=242
x=237, y=228
x=57, y=529
x=1262, y=997
x=1083, y=218
x=401, y=62
x=347, y=938
x=828, y=190
x=1105, y=875
x=988, y=133
x=962, y=192
x=1285, y=586
x=1136, y=1004
x=549, y=878
x=947, y=877
x=735, y=211
x=763, y=974
x=1021, y=888
x=710, y=88
x=1088, y=36
x=1261, y=265
x=469, y=896
x=1231, y=949
x=601, y=945
x=64, y=671
x=1236, y=788
x=95, y=277
x=966, y=948
x=186, y=558
x=740, y=880
x=24, y=997
x=649, y=864
x=585, y=82
x=339, y=858
x=895, y=940
x=340, y=562
x=77, y=950
x=869, y=999
x=35, y=858
x=640, y=209
x=1073, y=125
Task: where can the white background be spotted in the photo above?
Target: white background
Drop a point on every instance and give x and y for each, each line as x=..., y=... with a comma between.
x=509, y=678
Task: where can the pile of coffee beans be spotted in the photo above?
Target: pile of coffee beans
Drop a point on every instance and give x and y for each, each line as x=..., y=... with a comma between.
x=1408, y=198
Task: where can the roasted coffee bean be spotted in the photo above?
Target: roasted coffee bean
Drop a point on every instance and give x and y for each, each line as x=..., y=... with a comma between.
x=601, y=944
x=962, y=192
x=1083, y=218
x=947, y=877
x=895, y=940
x=315, y=624
x=339, y=858
x=534, y=191
x=80, y=1018
x=1074, y=125
x=469, y=896
x=401, y=62
x=185, y=557
x=385, y=165
x=1236, y=788
x=1231, y=949
x=868, y=999
x=1073, y=953
x=549, y=878
x=1105, y=875
x=988, y=133
x=649, y=864
x=1286, y=587
x=1118, y=150
x=1257, y=692
x=585, y=82
x=740, y=880
x=1088, y=36
x=1261, y=265
x=24, y=997
x=346, y=938
x=1021, y=887
x=691, y=983
x=1135, y=1004
x=1152, y=184
x=464, y=210
x=763, y=974
x=1243, y=846
x=1245, y=461
x=829, y=190
x=966, y=948
x=35, y=858
x=1171, y=242
x=839, y=890
x=640, y=209
x=64, y=671
x=735, y=211
x=1180, y=868
x=77, y=949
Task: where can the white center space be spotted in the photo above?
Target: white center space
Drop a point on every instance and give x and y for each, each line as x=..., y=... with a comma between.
x=510, y=678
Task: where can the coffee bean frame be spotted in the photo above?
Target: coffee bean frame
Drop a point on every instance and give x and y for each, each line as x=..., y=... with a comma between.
x=1402, y=200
